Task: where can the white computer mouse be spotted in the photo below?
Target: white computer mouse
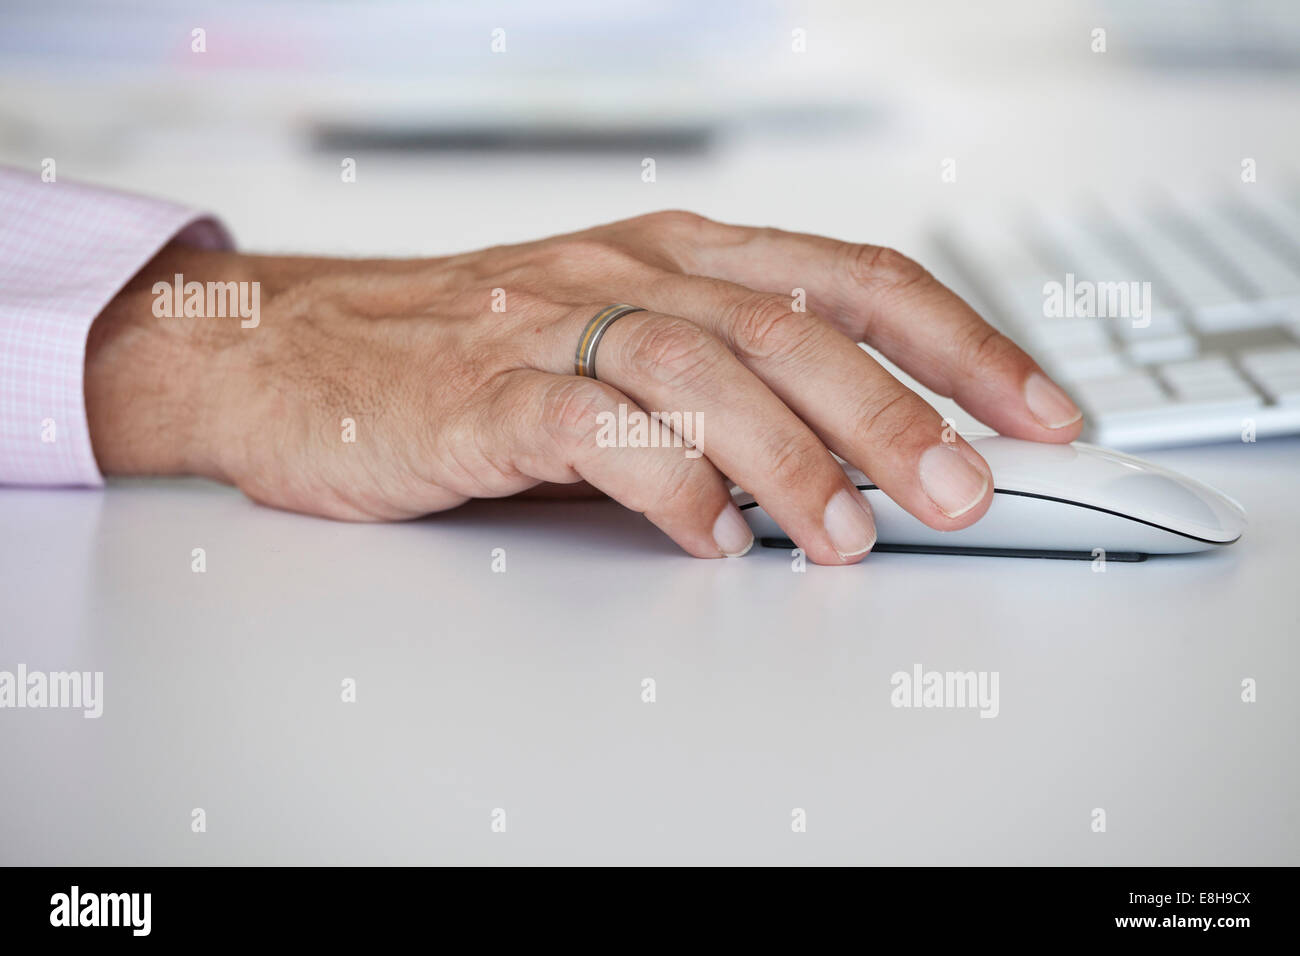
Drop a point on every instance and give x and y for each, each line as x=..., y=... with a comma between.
x=1061, y=501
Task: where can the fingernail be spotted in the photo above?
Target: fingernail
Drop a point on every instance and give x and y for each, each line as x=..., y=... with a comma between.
x=952, y=483
x=849, y=524
x=1049, y=403
x=731, y=533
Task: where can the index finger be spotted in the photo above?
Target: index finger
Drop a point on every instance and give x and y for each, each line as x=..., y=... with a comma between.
x=878, y=296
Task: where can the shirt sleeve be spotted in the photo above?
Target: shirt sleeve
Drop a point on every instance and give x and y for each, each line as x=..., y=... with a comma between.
x=65, y=251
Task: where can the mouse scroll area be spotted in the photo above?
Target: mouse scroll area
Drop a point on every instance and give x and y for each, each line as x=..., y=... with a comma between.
x=1018, y=522
x=1116, y=482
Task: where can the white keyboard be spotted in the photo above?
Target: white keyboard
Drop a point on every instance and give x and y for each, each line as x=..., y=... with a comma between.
x=1216, y=356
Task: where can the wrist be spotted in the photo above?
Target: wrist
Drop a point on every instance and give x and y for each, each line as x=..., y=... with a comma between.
x=162, y=387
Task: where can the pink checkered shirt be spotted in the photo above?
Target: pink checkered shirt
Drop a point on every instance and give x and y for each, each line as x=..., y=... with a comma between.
x=65, y=251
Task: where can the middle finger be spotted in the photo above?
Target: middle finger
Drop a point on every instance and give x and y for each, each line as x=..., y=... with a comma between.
x=858, y=408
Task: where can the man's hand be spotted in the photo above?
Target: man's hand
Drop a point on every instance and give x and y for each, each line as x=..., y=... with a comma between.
x=452, y=400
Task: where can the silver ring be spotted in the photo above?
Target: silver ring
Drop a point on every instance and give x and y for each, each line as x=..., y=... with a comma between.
x=585, y=361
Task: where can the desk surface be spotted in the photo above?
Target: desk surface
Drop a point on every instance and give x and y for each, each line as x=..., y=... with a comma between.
x=522, y=690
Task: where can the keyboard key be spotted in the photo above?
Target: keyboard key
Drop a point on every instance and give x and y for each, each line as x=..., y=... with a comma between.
x=1209, y=382
x=1067, y=333
x=1277, y=358
x=1081, y=363
x=1272, y=221
x=1233, y=317
x=1182, y=424
x=1209, y=369
x=1281, y=389
x=1288, y=312
x=1166, y=339
x=1134, y=410
x=1163, y=325
x=1174, y=348
x=1276, y=371
x=1023, y=298
x=1132, y=394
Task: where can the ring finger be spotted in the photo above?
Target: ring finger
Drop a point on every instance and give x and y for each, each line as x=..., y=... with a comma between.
x=668, y=363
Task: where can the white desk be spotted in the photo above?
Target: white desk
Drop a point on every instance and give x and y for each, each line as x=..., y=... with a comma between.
x=522, y=691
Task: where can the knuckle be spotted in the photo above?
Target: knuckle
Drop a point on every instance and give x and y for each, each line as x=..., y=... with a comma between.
x=795, y=460
x=673, y=238
x=889, y=424
x=982, y=345
x=681, y=489
x=681, y=220
x=479, y=359
x=672, y=352
x=766, y=327
x=570, y=408
x=482, y=349
x=883, y=266
x=463, y=363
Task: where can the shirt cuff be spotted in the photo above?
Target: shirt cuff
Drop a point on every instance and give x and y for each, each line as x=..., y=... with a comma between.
x=65, y=251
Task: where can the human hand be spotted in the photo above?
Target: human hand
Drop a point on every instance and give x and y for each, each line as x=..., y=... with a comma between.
x=452, y=400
